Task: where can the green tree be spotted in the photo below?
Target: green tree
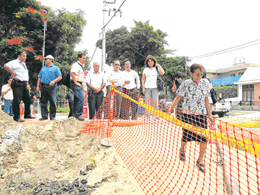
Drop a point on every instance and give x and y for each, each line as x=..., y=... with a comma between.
x=171, y=65
x=143, y=40
x=21, y=27
x=227, y=91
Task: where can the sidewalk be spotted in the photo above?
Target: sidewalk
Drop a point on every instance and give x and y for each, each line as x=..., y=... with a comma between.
x=59, y=116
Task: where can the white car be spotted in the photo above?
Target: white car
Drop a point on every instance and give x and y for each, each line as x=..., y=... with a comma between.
x=221, y=108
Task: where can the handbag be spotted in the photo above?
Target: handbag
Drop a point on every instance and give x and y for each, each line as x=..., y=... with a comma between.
x=160, y=82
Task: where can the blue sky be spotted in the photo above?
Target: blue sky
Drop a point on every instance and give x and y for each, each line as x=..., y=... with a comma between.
x=194, y=27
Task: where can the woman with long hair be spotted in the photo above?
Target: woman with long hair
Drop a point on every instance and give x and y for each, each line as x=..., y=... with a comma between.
x=149, y=80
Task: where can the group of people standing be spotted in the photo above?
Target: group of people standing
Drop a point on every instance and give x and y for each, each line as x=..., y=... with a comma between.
x=18, y=89
x=128, y=81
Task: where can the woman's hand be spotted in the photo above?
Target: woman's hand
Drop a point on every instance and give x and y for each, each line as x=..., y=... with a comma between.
x=143, y=90
x=211, y=119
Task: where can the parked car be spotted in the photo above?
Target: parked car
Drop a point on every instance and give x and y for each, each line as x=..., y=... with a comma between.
x=221, y=108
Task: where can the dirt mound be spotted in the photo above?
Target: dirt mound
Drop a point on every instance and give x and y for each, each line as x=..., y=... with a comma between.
x=55, y=158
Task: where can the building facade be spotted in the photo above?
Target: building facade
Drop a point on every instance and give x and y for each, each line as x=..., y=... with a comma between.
x=245, y=76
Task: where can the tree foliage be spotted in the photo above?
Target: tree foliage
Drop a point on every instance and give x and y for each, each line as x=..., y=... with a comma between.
x=227, y=91
x=135, y=45
x=171, y=65
x=21, y=27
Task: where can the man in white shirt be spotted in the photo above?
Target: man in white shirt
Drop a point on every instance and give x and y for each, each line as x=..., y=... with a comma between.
x=115, y=76
x=7, y=94
x=96, y=82
x=130, y=87
x=20, y=75
x=76, y=81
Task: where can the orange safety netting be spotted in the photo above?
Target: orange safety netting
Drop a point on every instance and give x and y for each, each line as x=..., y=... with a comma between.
x=149, y=142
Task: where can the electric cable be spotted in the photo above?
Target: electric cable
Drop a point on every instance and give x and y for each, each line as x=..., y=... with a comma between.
x=227, y=50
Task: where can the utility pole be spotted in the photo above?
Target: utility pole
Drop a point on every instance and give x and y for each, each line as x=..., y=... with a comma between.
x=105, y=3
x=44, y=30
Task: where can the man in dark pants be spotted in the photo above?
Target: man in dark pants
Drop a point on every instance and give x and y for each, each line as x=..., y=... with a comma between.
x=48, y=78
x=96, y=82
x=130, y=87
x=76, y=84
x=19, y=73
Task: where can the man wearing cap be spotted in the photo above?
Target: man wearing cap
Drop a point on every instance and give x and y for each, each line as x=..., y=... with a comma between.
x=130, y=87
x=47, y=80
x=96, y=82
x=76, y=81
x=20, y=75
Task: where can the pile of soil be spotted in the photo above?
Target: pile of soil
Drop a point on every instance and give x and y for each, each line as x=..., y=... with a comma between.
x=55, y=159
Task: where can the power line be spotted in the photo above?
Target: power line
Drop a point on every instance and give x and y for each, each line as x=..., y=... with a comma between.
x=247, y=61
x=137, y=51
x=114, y=14
x=93, y=54
x=227, y=50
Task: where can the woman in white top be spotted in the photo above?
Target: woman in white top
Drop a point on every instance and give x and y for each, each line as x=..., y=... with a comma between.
x=149, y=80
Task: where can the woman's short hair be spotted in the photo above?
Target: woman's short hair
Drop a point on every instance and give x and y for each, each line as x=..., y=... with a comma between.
x=150, y=57
x=195, y=67
x=204, y=74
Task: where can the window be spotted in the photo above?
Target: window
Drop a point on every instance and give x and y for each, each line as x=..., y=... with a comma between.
x=248, y=93
x=240, y=73
x=232, y=74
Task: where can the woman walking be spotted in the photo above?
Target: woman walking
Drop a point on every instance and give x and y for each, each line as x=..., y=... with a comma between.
x=196, y=106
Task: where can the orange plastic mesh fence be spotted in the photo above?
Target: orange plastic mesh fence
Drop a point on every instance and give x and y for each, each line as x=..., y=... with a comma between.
x=149, y=142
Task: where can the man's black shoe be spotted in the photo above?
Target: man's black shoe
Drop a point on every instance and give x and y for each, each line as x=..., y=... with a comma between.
x=81, y=118
x=29, y=117
x=52, y=119
x=201, y=167
x=42, y=119
x=19, y=120
x=182, y=156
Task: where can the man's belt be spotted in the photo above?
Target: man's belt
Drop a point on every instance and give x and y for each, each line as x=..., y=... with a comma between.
x=8, y=100
x=130, y=89
x=77, y=81
x=19, y=80
x=45, y=84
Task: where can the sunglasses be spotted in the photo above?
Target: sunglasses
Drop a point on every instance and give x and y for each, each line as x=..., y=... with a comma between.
x=198, y=75
x=117, y=64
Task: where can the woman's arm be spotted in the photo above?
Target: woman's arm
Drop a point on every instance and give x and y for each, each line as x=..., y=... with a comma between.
x=161, y=71
x=174, y=103
x=143, y=82
x=208, y=108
